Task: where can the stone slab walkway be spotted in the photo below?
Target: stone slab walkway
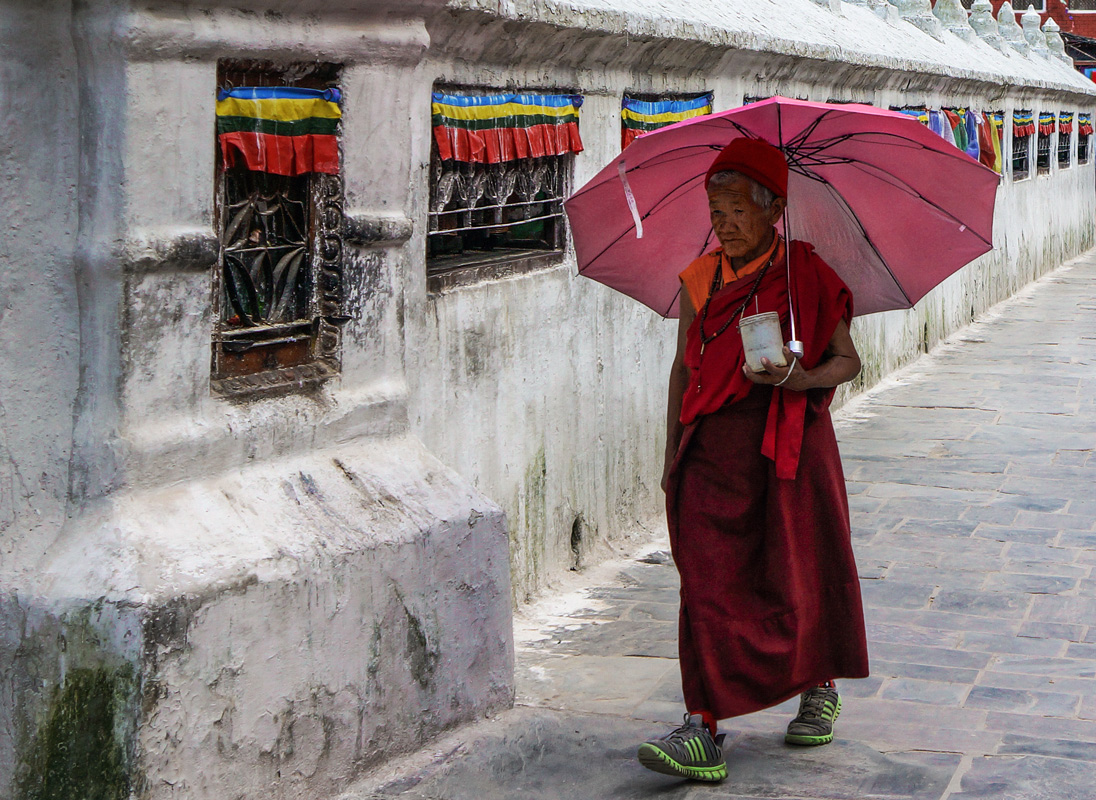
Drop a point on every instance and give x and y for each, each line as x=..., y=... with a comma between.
x=972, y=483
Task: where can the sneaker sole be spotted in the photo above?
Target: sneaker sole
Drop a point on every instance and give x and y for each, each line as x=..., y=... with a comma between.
x=657, y=761
x=814, y=741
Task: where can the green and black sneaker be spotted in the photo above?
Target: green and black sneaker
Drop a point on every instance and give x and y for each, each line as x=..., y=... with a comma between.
x=818, y=710
x=688, y=752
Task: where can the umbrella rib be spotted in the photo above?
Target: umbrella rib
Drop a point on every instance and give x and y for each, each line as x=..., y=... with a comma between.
x=867, y=238
x=902, y=185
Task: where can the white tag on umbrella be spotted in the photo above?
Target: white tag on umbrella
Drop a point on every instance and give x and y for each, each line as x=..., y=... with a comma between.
x=631, y=198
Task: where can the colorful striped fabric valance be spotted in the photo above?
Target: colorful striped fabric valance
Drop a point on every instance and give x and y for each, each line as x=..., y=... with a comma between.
x=283, y=130
x=1047, y=123
x=1023, y=123
x=1084, y=124
x=491, y=129
x=919, y=113
x=639, y=116
x=1065, y=122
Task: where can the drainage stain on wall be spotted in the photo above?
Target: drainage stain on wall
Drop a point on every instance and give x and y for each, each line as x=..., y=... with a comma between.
x=79, y=751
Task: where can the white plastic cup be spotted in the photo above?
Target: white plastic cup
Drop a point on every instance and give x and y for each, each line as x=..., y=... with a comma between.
x=762, y=338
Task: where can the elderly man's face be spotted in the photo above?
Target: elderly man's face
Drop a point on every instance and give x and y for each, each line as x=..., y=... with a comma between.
x=744, y=228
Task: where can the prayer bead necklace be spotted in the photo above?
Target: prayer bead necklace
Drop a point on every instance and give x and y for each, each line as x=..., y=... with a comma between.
x=717, y=283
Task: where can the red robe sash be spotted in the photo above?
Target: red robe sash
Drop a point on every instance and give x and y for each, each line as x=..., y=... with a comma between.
x=821, y=299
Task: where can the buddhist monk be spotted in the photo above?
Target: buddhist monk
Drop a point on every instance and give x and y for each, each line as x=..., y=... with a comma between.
x=755, y=495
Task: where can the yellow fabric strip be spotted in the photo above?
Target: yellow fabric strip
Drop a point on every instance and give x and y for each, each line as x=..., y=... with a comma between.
x=669, y=116
x=278, y=109
x=502, y=110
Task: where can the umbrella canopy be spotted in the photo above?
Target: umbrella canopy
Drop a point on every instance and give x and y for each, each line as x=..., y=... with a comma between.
x=890, y=206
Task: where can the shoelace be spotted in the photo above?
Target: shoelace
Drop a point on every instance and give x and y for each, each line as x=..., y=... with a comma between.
x=813, y=705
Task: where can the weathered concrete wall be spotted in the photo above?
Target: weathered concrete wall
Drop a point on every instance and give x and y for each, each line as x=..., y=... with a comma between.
x=38, y=317
x=548, y=390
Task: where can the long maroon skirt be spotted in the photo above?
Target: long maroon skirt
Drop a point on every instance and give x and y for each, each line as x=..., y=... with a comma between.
x=770, y=599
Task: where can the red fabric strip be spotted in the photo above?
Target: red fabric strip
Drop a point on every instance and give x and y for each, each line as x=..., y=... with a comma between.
x=280, y=155
x=627, y=136
x=1046, y=129
x=497, y=145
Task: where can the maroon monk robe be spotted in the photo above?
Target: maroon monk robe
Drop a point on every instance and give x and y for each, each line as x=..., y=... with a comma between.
x=758, y=515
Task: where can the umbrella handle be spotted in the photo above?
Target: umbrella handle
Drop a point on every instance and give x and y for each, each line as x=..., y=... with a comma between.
x=793, y=344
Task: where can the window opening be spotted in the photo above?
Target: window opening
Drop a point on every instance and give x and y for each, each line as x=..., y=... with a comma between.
x=1065, y=138
x=1084, y=137
x=500, y=168
x=278, y=284
x=1023, y=127
x=1047, y=124
x=640, y=113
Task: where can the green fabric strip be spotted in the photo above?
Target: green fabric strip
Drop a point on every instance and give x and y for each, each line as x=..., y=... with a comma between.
x=519, y=121
x=297, y=127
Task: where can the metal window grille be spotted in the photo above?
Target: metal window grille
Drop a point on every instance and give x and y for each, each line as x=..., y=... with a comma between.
x=1081, y=5
x=278, y=284
x=1042, y=153
x=1021, y=157
x=487, y=213
x=1064, y=150
x=1083, y=146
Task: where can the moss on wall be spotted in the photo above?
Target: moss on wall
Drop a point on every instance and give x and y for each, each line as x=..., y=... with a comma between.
x=78, y=752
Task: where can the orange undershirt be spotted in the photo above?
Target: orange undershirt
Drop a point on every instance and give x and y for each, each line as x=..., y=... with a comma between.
x=697, y=277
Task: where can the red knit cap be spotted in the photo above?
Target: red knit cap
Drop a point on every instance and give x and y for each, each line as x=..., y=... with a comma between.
x=754, y=158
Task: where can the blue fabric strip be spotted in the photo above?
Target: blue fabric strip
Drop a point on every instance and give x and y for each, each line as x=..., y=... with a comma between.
x=649, y=108
x=279, y=93
x=552, y=100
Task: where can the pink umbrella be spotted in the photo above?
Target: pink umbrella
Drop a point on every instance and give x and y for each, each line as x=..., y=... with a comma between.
x=891, y=206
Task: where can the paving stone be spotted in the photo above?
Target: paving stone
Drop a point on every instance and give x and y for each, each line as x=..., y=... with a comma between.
x=918, y=691
x=1057, y=521
x=894, y=594
x=936, y=576
x=943, y=620
x=993, y=514
x=1020, y=551
x=1086, y=540
x=655, y=612
x=1023, y=702
x=872, y=569
x=959, y=528
x=1030, y=584
x=647, y=638
x=1008, y=533
x=1055, y=608
x=900, y=669
x=1052, y=630
x=1036, y=682
x=1022, y=567
x=906, y=634
x=1004, y=643
x=1083, y=650
x=985, y=604
x=1016, y=744
x=1062, y=667
x=1026, y=778
x=1077, y=729
x=929, y=656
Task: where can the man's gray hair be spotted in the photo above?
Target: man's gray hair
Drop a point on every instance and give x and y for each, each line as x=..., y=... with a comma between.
x=762, y=195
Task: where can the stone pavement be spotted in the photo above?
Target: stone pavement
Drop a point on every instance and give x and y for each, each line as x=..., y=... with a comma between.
x=971, y=483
